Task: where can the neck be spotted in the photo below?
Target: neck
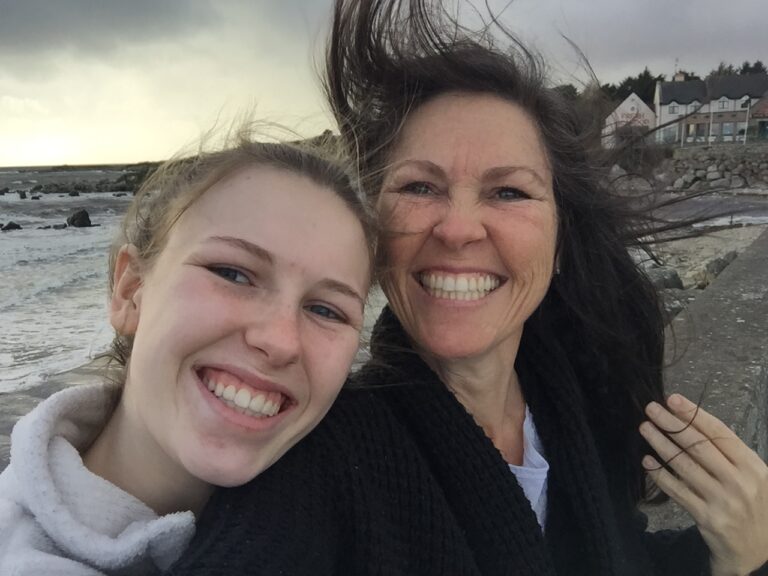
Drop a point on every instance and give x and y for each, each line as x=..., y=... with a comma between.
x=487, y=386
x=127, y=455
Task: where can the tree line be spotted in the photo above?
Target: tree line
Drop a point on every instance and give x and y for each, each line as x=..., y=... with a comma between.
x=644, y=84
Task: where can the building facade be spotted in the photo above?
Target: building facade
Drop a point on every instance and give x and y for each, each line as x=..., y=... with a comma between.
x=719, y=109
x=631, y=114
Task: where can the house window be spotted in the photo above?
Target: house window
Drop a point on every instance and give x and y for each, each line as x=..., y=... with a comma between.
x=727, y=128
x=745, y=104
x=722, y=105
x=673, y=108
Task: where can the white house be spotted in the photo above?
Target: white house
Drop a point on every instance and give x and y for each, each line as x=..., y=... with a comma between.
x=633, y=112
x=715, y=110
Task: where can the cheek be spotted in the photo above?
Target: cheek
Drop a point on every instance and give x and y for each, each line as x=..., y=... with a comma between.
x=329, y=362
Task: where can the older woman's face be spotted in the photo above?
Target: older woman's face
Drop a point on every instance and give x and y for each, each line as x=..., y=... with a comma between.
x=471, y=223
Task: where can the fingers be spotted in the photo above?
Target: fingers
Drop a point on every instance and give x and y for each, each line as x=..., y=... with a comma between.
x=675, y=488
x=691, y=473
x=714, y=429
x=719, y=435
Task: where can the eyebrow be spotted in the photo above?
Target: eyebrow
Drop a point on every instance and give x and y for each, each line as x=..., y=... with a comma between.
x=250, y=247
x=342, y=288
x=267, y=257
x=490, y=174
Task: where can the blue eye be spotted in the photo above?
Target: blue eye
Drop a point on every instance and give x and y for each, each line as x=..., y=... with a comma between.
x=325, y=312
x=231, y=274
x=417, y=188
x=509, y=193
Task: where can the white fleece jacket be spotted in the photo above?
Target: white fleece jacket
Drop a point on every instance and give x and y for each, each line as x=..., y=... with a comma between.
x=56, y=517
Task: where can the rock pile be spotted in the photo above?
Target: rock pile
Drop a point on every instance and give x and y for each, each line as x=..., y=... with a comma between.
x=732, y=166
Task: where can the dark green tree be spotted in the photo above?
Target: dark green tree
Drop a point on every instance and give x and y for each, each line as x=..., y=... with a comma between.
x=568, y=91
x=722, y=69
x=757, y=68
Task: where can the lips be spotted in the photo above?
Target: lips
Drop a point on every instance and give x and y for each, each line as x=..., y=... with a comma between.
x=246, y=398
x=462, y=286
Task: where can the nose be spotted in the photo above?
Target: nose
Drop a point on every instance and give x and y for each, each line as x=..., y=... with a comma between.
x=460, y=225
x=276, y=335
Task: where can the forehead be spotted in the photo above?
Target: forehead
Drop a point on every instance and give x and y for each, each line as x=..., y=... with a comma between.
x=299, y=221
x=472, y=131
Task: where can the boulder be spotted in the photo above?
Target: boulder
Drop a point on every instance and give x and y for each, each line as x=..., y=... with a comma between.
x=674, y=301
x=720, y=183
x=714, y=175
x=22, y=194
x=74, y=193
x=11, y=226
x=713, y=268
x=664, y=277
x=679, y=184
x=59, y=226
x=120, y=194
x=35, y=197
x=43, y=227
x=4, y=191
x=80, y=219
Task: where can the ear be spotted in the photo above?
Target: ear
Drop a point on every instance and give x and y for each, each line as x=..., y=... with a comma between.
x=125, y=303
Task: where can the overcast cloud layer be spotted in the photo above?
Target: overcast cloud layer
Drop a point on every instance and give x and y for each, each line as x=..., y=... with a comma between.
x=86, y=81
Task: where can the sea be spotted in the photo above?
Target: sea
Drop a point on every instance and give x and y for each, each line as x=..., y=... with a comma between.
x=53, y=283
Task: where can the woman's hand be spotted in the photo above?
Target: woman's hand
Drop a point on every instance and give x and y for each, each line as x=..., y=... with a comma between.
x=718, y=480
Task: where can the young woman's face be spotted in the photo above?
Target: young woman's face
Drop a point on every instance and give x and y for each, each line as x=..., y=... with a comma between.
x=246, y=324
x=469, y=200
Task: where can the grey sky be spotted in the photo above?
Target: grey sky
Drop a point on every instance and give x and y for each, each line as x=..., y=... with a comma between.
x=118, y=80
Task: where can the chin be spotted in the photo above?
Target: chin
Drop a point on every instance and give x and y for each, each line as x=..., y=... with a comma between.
x=225, y=469
x=452, y=349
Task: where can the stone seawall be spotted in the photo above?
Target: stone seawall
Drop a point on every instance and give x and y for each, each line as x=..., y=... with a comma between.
x=725, y=166
x=717, y=352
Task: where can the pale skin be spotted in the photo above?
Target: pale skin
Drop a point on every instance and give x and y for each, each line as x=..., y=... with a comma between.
x=718, y=480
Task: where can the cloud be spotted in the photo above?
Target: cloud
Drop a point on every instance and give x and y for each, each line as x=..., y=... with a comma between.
x=97, y=26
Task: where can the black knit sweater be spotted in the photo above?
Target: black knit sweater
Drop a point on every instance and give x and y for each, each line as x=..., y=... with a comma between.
x=398, y=479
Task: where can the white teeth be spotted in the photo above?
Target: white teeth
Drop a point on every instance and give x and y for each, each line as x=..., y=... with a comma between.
x=257, y=403
x=243, y=398
x=459, y=286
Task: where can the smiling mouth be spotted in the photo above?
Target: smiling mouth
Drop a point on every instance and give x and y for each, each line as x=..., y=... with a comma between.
x=244, y=399
x=466, y=287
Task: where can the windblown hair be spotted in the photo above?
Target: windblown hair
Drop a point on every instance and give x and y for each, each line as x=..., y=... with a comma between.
x=386, y=58
x=177, y=184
